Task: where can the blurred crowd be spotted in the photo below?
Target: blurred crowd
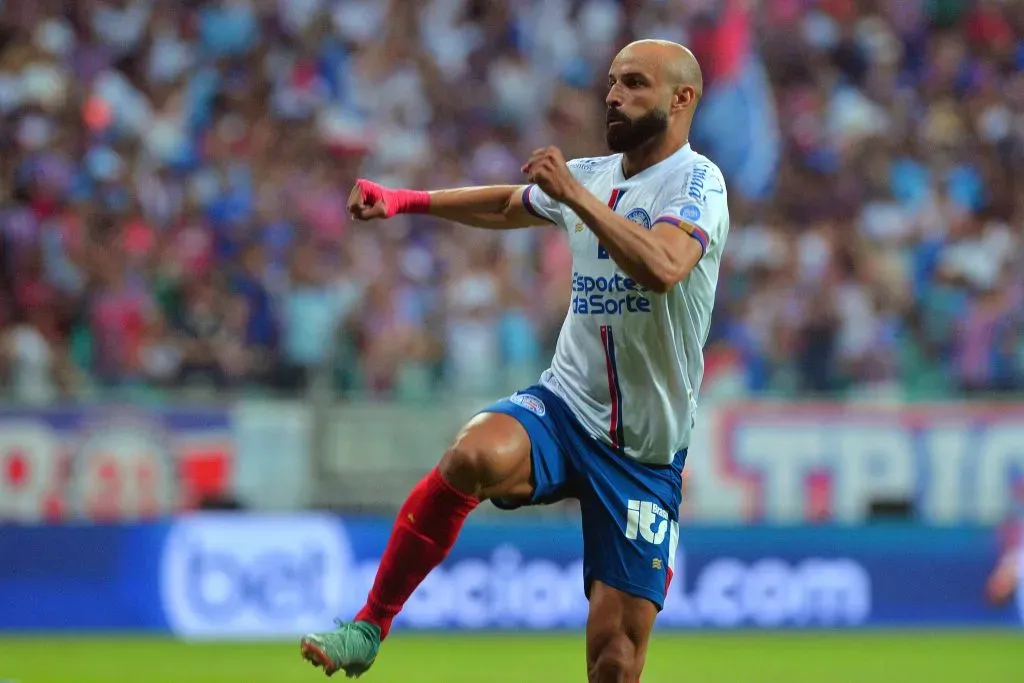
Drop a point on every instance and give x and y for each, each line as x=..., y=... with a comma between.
x=173, y=179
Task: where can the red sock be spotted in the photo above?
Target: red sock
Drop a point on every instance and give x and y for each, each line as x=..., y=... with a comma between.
x=428, y=523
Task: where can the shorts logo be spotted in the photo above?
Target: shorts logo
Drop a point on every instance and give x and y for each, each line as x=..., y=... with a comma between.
x=640, y=217
x=641, y=517
x=690, y=212
x=530, y=402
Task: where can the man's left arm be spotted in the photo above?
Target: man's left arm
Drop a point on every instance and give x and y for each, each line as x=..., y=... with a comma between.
x=658, y=258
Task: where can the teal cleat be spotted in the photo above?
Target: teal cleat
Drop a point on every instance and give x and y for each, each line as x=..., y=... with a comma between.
x=352, y=648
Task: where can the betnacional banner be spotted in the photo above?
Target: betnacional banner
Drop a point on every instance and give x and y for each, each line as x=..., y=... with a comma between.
x=230, y=576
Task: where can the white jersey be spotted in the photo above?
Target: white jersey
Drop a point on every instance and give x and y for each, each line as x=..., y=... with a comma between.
x=629, y=361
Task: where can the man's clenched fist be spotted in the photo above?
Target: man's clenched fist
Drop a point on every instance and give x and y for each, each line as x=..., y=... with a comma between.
x=547, y=169
x=368, y=200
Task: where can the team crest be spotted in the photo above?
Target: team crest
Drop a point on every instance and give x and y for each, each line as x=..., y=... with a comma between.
x=530, y=402
x=579, y=226
x=640, y=217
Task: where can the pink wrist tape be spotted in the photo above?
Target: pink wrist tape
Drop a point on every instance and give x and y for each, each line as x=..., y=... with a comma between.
x=395, y=201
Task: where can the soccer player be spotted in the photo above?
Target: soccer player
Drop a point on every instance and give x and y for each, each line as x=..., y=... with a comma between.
x=610, y=421
x=1005, y=579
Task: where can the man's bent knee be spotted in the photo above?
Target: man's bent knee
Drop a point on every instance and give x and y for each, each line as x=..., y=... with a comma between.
x=467, y=467
x=489, y=458
x=617, y=660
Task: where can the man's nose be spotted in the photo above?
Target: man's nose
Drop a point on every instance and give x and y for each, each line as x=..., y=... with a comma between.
x=614, y=98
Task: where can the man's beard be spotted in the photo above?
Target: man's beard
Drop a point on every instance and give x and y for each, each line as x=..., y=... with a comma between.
x=630, y=134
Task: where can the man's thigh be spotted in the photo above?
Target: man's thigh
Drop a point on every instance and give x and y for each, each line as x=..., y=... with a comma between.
x=630, y=520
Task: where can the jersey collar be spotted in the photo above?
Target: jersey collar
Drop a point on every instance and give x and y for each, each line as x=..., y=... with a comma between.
x=620, y=180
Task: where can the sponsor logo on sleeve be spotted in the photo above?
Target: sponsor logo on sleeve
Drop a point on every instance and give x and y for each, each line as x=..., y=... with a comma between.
x=701, y=182
x=691, y=213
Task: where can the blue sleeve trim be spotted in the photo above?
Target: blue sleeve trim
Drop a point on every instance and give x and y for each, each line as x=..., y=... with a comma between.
x=530, y=207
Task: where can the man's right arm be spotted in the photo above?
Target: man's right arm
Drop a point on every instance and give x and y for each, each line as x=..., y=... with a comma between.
x=497, y=207
x=494, y=207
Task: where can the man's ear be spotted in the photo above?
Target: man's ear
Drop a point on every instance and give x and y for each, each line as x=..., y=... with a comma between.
x=684, y=97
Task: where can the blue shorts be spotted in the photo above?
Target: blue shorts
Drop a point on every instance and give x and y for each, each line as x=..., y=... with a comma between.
x=630, y=510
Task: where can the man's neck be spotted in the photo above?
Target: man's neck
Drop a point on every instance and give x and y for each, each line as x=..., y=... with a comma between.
x=657, y=150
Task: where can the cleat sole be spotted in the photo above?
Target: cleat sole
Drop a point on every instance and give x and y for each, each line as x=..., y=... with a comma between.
x=312, y=653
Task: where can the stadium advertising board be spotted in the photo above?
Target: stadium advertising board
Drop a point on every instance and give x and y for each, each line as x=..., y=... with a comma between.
x=109, y=463
x=773, y=463
x=786, y=463
x=251, y=577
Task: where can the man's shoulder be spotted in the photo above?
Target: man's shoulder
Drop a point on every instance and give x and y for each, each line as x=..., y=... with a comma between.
x=701, y=180
x=701, y=165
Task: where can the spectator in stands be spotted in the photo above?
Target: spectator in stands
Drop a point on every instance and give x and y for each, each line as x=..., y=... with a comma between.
x=174, y=176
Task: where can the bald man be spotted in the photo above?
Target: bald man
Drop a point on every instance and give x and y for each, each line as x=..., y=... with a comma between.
x=610, y=421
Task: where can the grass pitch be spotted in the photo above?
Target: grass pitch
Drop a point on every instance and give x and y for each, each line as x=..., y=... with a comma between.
x=890, y=657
